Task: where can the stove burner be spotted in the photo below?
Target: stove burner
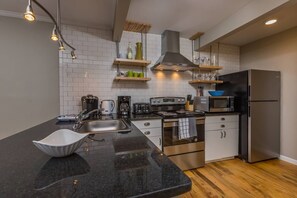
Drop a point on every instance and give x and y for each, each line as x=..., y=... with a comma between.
x=166, y=113
x=171, y=107
x=180, y=113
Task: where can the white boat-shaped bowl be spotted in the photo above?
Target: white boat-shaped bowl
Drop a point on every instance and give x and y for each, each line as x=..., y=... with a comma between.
x=61, y=143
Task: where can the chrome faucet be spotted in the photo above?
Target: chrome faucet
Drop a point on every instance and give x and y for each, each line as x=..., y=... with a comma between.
x=83, y=116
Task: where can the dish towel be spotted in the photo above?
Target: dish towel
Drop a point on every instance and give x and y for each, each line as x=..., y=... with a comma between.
x=183, y=128
x=192, y=127
x=186, y=128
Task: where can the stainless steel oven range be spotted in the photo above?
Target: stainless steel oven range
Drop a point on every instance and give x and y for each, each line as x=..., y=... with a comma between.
x=186, y=153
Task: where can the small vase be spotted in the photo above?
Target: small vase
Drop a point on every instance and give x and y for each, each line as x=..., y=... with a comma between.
x=129, y=51
x=138, y=55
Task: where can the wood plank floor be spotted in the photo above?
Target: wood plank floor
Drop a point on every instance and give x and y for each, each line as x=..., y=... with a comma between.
x=234, y=178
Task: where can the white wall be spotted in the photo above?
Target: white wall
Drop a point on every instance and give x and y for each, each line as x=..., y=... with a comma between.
x=29, y=82
x=279, y=52
x=93, y=72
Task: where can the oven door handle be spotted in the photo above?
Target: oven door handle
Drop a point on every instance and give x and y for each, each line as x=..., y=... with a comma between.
x=172, y=123
x=176, y=120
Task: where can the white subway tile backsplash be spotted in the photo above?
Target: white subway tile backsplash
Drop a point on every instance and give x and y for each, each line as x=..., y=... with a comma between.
x=93, y=72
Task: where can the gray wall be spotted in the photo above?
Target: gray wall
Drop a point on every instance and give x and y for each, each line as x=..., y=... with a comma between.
x=29, y=75
x=279, y=52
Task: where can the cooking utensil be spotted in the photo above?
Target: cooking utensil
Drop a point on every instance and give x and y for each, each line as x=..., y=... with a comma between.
x=189, y=97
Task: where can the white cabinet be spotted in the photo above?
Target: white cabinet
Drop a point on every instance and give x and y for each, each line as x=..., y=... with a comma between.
x=221, y=137
x=152, y=129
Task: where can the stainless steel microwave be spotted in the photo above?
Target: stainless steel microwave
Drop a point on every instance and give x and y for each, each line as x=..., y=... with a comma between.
x=214, y=103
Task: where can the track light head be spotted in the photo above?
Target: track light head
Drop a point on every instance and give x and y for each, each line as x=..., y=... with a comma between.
x=54, y=36
x=61, y=46
x=73, y=55
x=29, y=14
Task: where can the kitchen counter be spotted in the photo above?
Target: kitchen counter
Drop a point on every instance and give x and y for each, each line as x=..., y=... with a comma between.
x=109, y=165
x=150, y=116
x=222, y=113
x=131, y=117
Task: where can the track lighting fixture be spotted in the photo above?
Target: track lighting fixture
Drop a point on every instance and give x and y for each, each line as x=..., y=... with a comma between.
x=61, y=46
x=56, y=33
x=54, y=36
x=270, y=22
x=73, y=55
x=29, y=14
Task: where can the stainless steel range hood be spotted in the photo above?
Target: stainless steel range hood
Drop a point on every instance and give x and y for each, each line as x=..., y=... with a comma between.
x=171, y=59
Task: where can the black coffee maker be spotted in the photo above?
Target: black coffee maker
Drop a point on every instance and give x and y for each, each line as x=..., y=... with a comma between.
x=124, y=103
x=89, y=103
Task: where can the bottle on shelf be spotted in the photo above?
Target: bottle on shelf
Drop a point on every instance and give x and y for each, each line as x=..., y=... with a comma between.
x=129, y=51
x=138, y=55
x=214, y=60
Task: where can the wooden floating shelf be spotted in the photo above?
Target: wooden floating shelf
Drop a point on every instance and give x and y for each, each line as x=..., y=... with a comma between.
x=208, y=68
x=132, y=79
x=128, y=62
x=134, y=26
x=196, y=36
x=205, y=82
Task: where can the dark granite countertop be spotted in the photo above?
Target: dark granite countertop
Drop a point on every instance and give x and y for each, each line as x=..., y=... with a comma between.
x=110, y=165
x=222, y=114
x=150, y=116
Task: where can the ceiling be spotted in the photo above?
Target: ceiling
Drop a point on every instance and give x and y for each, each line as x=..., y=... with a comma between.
x=286, y=16
x=185, y=16
x=93, y=13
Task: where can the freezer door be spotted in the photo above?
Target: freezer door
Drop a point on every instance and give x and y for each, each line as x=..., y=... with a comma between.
x=264, y=131
x=264, y=85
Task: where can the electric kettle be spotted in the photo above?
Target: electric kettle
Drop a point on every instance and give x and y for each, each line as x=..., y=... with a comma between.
x=107, y=107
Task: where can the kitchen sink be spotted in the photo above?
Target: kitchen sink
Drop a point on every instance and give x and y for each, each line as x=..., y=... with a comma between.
x=104, y=126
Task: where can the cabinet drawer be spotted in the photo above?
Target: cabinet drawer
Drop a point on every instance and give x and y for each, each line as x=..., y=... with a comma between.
x=146, y=124
x=189, y=160
x=221, y=125
x=152, y=132
x=215, y=119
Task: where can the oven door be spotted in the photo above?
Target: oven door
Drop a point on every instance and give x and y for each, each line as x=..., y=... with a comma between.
x=221, y=104
x=170, y=132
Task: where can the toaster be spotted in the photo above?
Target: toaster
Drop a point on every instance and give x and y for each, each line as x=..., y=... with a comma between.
x=141, y=108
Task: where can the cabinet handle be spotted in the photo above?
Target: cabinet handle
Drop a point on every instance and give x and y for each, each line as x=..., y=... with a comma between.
x=147, y=133
x=147, y=124
x=224, y=134
x=160, y=142
x=223, y=119
x=223, y=126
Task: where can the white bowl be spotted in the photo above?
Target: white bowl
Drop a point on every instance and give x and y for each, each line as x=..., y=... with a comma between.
x=61, y=143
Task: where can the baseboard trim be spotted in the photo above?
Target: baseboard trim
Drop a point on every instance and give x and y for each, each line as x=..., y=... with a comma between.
x=288, y=159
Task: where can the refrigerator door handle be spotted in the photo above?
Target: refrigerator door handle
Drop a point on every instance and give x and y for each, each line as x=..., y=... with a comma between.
x=249, y=111
x=249, y=91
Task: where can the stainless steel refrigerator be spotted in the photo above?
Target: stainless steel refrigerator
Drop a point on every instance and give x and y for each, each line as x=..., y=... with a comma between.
x=257, y=98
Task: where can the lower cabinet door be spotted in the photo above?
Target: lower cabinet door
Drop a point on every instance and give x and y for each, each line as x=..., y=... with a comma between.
x=157, y=140
x=221, y=144
x=231, y=142
x=213, y=145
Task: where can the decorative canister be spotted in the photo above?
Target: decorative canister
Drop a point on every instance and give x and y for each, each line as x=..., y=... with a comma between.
x=138, y=55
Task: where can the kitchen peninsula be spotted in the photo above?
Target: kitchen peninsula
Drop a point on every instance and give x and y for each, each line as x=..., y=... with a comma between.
x=107, y=165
